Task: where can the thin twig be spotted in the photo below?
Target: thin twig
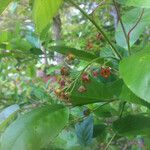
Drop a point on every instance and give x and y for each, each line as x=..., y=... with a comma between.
x=137, y=22
x=115, y=51
x=99, y=5
x=123, y=106
x=107, y=146
x=103, y=105
x=122, y=26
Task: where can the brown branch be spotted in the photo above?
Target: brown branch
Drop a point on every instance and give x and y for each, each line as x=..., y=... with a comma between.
x=139, y=19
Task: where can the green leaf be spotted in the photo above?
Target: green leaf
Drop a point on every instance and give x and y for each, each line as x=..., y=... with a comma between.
x=43, y=12
x=4, y=4
x=136, y=3
x=78, y=53
x=5, y=36
x=129, y=96
x=132, y=125
x=129, y=21
x=135, y=72
x=84, y=131
x=105, y=111
x=99, y=130
x=96, y=92
x=34, y=130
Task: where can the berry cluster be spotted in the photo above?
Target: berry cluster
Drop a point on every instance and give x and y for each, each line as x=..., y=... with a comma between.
x=104, y=72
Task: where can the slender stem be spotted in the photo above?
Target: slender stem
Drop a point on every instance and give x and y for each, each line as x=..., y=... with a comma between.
x=120, y=116
x=121, y=112
x=97, y=26
x=139, y=19
x=103, y=105
x=122, y=26
x=107, y=146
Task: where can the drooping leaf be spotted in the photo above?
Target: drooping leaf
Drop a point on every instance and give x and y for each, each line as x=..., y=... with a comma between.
x=43, y=12
x=84, y=131
x=132, y=125
x=35, y=129
x=78, y=53
x=135, y=72
x=129, y=20
x=4, y=4
x=136, y=3
x=96, y=92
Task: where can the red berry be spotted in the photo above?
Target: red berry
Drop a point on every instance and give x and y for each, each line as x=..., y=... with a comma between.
x=70, y=57
x=89, y=45
x=81, y=89
x=64, y=71
x=99, y=36
x=58, y=92
x=105, y=72
x=86, y=112
x=95, y=73
x=64, y=96
x=62, y=83
x=85, y=77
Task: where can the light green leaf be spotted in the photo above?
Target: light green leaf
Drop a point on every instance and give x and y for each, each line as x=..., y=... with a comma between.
x=7, y=114
x=4, y=4
x=133, y=125
x=129, y=21
x=35, y=129
x=5, y=37
x=135, y=71
x=136, y=3
x=43, y=12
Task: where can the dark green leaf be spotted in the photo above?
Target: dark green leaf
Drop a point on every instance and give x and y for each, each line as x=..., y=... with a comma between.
x=133, y=125
x=35, y=129
x=105, y=111
x=99, y=130
x=78, y=53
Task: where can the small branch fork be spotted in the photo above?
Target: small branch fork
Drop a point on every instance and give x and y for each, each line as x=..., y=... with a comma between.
x=122, y=26
x=127, y=35
x=138, y=21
